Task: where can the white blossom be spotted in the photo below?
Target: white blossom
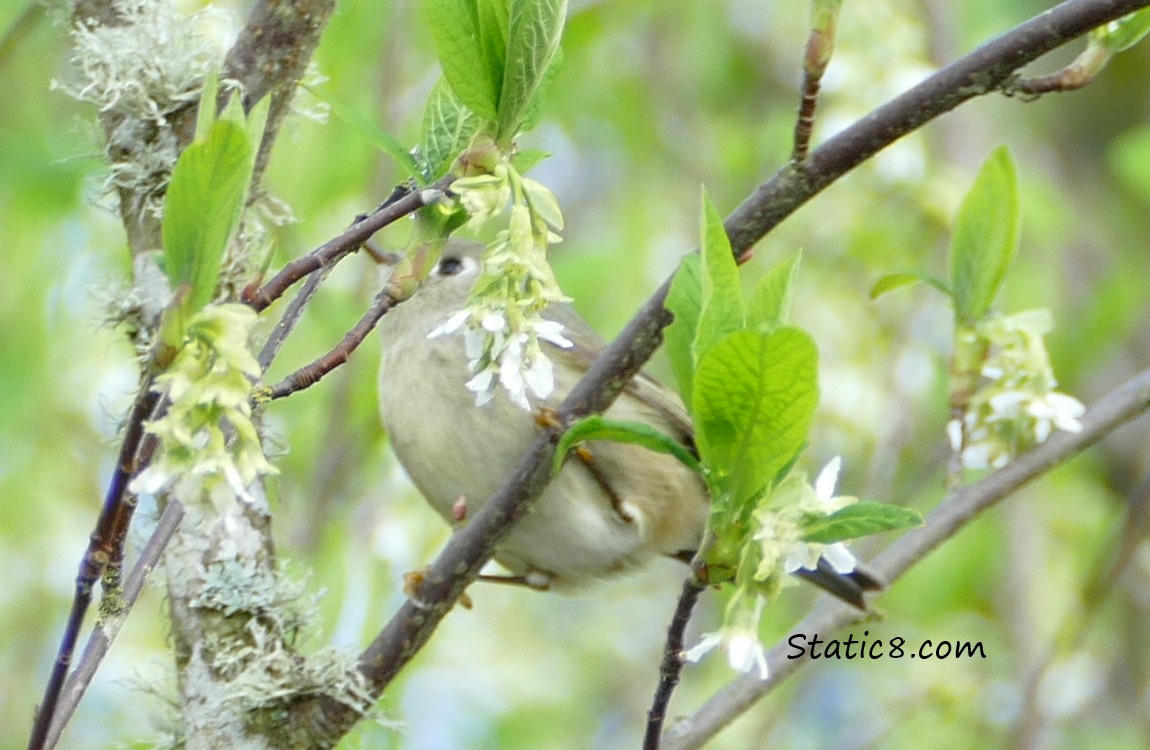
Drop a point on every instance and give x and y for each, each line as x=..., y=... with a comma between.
x=738, y=638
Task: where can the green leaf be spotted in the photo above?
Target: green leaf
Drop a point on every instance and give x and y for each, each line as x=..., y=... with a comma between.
x=859, y=519
x=535, y=108
x=771, y=304
x=204, y=200
x=533, y=35
x=894, y=281
x=722, y=310
x=985, y=237
x=255, y=123
x=598, y=427
x=371, y=132
x=448, y=126
x=524, y=160
x=754, y=397
x=494, y=18
x=472, y=62
x=206, y=114
x=1124, y=33
x=684, y=301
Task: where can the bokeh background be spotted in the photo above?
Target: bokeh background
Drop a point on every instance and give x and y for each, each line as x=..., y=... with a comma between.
x=654, y=100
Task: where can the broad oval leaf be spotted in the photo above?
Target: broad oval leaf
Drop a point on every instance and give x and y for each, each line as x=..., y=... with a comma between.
x=533, y=33
x=859, y=519
x=448, y=126
x=985, y=237
x=471, y=61
x=754, y=396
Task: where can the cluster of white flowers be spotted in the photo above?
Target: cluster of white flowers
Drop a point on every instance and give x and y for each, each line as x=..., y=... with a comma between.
x=1015, y=405
x=781, y=524
x=502, y=326
x=515, y=361
x=781, y=549
x=209, y=389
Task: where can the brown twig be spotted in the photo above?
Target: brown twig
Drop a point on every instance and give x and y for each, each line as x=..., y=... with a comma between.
x=350, y=240
x=111, y=526
x=1076, y=75
x=106, y=631
x=816, y=57
x=672, y=667
x=309, y=375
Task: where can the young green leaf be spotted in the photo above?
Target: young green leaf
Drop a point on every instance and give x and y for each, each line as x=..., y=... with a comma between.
x=985, y=237
x=524, y=160
x=448, y=126
x=205, y=197
x=859, y=519
x=371, y=132
x=494, y=19
x=684, y=301
x=533, y=37
x=535, y=108
x=206, y=114
x=722, y=310
x=472, y=63
x=893, y=281
x=754, y=397
x=770, y=305
x=598, y=427
x=1124, y=33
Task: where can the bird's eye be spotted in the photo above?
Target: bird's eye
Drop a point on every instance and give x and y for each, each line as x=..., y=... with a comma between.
x=450, y=265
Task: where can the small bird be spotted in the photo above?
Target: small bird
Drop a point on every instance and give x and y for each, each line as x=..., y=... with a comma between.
x=611, y=507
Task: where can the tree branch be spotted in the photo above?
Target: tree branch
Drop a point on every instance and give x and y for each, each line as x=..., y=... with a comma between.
x=983, y=71
x=109, y=627
x=958, y=509
x=271, y=55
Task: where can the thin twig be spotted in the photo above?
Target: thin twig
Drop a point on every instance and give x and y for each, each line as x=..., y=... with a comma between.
x=958, y=509
x=349, y=241
x=672, y=666
x=106, y=631
x=292, y=315
x=816, y=57
x=309, y=375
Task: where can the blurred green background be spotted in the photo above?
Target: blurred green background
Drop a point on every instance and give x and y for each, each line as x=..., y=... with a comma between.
x=653, y=100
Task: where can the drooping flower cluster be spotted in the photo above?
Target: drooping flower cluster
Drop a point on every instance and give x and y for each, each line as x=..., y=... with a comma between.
x=780, y=522
x=502, y=324
x=1015, y=405
x=209, y=389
